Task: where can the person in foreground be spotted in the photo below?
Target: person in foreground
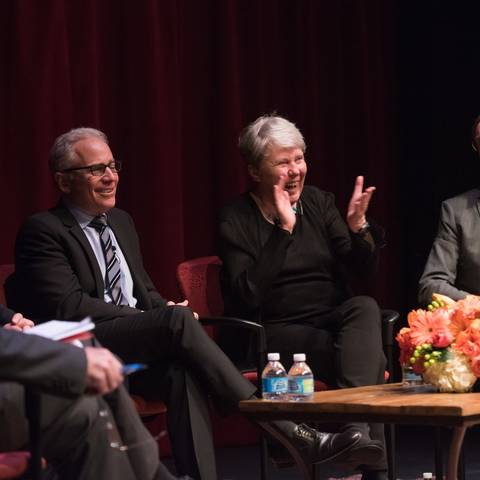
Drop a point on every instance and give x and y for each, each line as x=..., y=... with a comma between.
x=82, y=258
x=284, y=248
x=453, y=266
x=75, y=440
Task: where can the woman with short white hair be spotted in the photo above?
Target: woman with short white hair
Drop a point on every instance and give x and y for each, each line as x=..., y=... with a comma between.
x=285, y=250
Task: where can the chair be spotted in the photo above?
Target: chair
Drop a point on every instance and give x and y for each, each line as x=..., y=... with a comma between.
x=199, y=282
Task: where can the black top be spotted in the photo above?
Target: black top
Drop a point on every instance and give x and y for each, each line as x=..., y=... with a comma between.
x=278, y=277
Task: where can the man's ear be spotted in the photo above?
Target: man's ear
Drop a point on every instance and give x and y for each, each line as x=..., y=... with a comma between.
x=253, y=172
x=62, y=181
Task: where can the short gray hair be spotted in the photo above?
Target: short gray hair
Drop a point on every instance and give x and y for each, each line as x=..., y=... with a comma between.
x=265, y=131
x=62, y=154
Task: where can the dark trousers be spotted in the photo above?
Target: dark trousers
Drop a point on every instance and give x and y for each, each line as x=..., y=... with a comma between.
x=75, y=439
x=343, y=347
x=186, y=367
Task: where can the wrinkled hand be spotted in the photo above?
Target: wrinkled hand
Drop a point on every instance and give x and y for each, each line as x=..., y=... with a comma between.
x=104, y=371
x=358, y=206
x=283, y=207
x=183, y=304
x=19, y=323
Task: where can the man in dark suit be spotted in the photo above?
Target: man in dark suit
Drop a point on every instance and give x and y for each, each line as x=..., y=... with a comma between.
x=76, y=442
x=453, y=266
x=83, y=258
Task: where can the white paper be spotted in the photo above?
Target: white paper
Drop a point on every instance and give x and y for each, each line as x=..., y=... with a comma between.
x=59, y=329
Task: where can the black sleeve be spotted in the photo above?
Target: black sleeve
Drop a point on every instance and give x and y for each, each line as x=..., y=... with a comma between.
x=5, y=315
x=249, y=268
x=53, y=285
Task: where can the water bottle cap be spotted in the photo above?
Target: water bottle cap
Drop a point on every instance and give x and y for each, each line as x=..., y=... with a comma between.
x=299, y=357
x=427, y=475
x=273, y=357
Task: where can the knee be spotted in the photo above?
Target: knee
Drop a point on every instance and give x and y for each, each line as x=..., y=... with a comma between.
x=366, y=310
x=182, y=320
x=367, y=305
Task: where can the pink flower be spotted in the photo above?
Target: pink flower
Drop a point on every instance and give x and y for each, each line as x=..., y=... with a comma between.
x=405, y=343
x=465, y=312
x=475, y=365
x=431, y=327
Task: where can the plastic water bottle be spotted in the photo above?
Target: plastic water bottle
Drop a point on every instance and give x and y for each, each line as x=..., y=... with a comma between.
x=300, y=379
x=274, y=379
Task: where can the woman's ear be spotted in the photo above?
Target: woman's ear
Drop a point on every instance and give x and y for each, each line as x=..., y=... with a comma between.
x=253, y=172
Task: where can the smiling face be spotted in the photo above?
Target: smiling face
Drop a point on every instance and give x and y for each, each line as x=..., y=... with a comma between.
x=94, y=195
x=280, y=163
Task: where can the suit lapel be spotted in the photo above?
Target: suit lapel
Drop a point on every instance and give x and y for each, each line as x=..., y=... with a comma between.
x=76, y=231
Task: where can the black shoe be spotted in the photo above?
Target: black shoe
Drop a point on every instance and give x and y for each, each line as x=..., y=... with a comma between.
x=318, y=447
x=363, y=453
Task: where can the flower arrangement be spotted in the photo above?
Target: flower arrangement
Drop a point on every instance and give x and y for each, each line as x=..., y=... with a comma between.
x=443, y=343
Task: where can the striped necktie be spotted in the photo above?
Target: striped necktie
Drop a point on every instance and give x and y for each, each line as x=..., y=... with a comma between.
x=112, y=264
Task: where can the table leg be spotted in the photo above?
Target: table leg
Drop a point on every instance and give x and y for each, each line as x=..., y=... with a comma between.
x=305, y=469
x=454, y=452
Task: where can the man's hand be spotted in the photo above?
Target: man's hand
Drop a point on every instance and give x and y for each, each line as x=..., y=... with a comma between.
x=283, y=207
x=358, y=206
x=19, y=323
x=104, y=371
x=183, y=304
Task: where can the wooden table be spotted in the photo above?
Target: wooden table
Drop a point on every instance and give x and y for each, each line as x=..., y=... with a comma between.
x=391, y=403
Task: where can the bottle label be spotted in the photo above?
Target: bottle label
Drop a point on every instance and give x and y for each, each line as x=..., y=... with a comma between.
x=275, y=385
x=300, y=386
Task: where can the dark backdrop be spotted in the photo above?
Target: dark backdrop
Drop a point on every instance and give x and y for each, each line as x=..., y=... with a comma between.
x=437, y=71
x=381, y=88
x=172, y=83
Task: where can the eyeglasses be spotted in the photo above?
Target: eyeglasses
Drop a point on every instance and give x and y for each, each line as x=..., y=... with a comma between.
x=98, y=169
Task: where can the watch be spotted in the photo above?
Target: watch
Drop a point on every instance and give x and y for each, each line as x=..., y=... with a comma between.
x=365, y=228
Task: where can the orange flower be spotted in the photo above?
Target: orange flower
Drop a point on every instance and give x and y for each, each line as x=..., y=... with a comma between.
x=468, y=341
x=475, y=365
x=405, y=343
x=465, y=312
x=431, y=327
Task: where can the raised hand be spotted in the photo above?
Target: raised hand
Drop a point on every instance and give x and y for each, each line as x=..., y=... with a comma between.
x=281, y=203
x=358, y=206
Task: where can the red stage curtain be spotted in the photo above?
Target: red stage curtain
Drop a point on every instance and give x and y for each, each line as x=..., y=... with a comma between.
x=172, y=83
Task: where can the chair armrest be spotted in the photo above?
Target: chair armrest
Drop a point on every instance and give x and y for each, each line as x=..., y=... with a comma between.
x=256, y=328
x=389, y=318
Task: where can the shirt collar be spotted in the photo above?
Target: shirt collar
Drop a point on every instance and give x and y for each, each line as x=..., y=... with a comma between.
x=81, y=216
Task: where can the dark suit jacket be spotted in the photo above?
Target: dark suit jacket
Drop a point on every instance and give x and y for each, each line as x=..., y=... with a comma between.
x=31, y=360
x=57, y=274
x=453, y=266
x=5, y=315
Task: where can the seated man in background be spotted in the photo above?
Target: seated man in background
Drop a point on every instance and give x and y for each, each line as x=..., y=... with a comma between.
x=75, y=440
x=453, y=266
x=82, y=258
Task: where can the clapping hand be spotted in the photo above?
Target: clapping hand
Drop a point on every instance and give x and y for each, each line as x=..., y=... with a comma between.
x=358, y=206
x=283, y=207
